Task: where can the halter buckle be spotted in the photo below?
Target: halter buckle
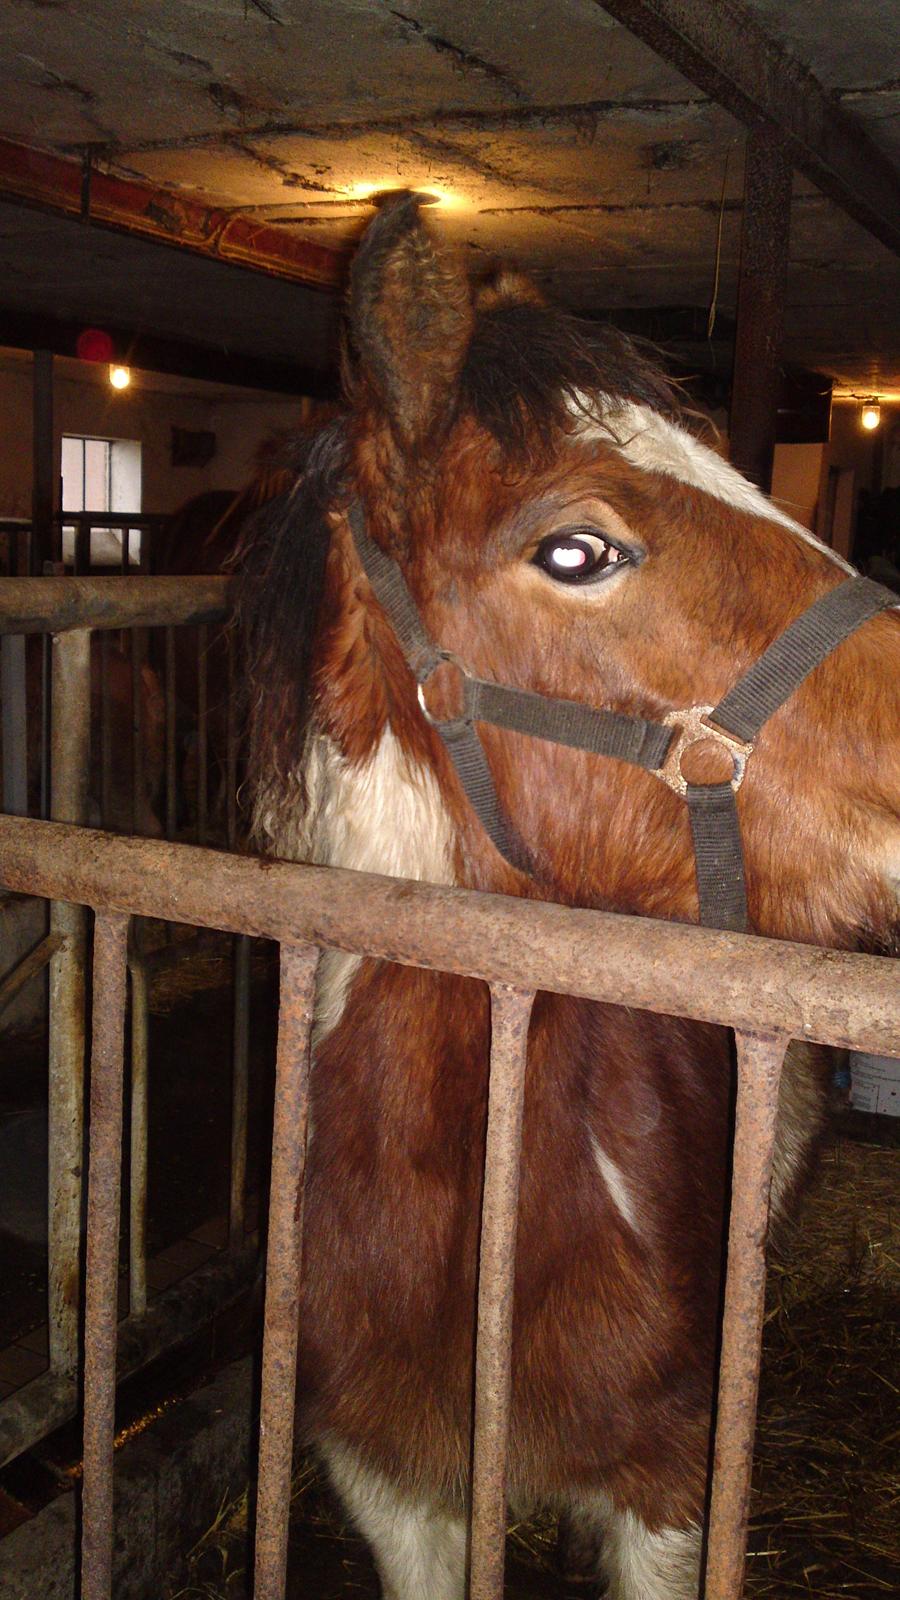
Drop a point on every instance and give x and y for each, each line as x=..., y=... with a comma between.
x=694, y=729
x=446, y=658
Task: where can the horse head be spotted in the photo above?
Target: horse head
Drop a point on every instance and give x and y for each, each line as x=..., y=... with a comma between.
x=562, y=531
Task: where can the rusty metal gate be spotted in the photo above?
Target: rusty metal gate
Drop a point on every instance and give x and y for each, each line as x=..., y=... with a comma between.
x=768, y=991
x=65, y=611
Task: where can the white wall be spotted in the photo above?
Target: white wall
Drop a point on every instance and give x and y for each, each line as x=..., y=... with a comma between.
x=84, y=403
x=799, y=473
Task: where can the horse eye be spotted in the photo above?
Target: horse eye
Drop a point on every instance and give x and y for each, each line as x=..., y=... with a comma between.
x=578, y=557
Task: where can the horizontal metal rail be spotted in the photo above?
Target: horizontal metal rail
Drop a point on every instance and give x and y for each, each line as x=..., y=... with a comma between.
x=139, y=520
x=738, y=980
x=769, y=990
x=59, y=605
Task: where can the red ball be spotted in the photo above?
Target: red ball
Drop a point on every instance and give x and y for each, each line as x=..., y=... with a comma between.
x=94, y=345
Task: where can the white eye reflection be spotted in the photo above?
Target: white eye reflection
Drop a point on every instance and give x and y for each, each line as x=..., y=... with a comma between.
x=570, y=557
x=580, y=556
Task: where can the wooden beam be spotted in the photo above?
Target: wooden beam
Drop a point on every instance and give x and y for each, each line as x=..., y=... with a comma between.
x=39, y=178
x=722, y=49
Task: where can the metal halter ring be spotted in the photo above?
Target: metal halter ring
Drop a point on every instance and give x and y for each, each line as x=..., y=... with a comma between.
x=444, y=658
x=694, y=730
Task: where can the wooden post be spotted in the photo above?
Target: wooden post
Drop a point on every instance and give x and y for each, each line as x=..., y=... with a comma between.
x=760, y=306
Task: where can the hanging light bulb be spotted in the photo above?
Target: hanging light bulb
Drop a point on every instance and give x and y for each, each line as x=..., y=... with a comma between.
x=119, y=377
x=870, y=415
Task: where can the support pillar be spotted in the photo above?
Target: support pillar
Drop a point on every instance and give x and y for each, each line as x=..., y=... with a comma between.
x=765, y=238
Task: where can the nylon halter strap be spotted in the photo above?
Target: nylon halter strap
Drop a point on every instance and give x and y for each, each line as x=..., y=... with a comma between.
x=658, y=747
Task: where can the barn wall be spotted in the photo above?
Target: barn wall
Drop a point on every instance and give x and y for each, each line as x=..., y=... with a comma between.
x=241, y=420
x=798, y=473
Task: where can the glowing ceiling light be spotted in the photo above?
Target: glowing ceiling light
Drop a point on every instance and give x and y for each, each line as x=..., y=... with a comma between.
x=120, y=377
x=432, y=195
x=870, y=414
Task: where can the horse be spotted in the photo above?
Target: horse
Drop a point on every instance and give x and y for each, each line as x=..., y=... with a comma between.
x=206, y=535
x=554, y=526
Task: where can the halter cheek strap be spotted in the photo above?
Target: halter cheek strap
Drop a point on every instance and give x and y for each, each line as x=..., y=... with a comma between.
x=656, y=747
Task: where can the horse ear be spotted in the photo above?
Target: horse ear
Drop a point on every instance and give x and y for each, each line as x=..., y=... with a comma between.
x=410, y=322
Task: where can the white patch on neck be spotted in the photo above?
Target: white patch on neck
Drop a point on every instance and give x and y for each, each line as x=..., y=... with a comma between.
x=653, y=443
x=651, y=1566
x=614, y=1178
x=383, y=815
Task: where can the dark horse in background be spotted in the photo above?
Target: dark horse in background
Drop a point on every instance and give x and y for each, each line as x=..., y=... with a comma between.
x=205, y=536
x=562, y=531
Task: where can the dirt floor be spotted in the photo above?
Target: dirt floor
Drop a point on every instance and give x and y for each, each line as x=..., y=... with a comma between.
x=826, y=1510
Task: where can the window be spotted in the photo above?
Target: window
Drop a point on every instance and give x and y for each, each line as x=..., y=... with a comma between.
x=101, y=475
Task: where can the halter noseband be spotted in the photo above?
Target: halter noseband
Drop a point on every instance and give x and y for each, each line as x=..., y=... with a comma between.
x=733, y=724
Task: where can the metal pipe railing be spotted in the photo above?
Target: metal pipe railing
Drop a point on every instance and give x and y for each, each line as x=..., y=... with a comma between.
x=510, y=1015
x=73, y=609
x=57, y=605
x=70, y=752
x=738, y=980
x=279, y=1366
x=517, y=946
x=101, y=1275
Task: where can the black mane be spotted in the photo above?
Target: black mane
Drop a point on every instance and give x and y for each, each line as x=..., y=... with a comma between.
x=528, y=371
x=285, y=549
x=530, y=367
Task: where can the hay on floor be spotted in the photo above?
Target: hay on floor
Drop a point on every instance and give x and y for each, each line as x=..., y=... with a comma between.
x=826, y=1507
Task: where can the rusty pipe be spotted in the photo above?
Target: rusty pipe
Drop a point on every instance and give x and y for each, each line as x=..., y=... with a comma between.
x=760, y=1058
x=104, y=1191
x=510, y=1014
x=738, y=980
x=279, y=1362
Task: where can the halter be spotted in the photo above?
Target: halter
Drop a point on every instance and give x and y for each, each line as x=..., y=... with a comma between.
x=657, y=747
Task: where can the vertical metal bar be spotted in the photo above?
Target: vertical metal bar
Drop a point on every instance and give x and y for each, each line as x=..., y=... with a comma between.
x=765, y=237
x=15, y=724
x=70, y=757
x=171, y=791
x=759, y=1062
x=137, y=1243
x=105, y=732
x=202, y=643
x=124, y=550
x=239, y=1083
x=104, y=1192
x=276, y=1426
x=510, y=1014
x=137, y=641
x=46, y=698
x=231, y=745
x=82, y=553
x=43, y=476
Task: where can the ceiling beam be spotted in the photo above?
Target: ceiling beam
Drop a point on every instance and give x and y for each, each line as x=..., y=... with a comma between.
x=129, y=205
x=723, y=50
x=148, y=352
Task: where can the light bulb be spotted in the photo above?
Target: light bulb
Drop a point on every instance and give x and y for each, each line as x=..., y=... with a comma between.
x=870, y=415
x=120, y=377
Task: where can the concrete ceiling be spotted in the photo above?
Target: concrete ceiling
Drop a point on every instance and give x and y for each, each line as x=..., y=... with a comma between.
x=552, y=135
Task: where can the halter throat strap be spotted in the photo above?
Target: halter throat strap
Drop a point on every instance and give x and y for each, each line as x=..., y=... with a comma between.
x=656, y=747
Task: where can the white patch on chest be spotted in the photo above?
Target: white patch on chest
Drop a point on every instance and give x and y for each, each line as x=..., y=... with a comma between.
x=614, y=1178
x=383, y=815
